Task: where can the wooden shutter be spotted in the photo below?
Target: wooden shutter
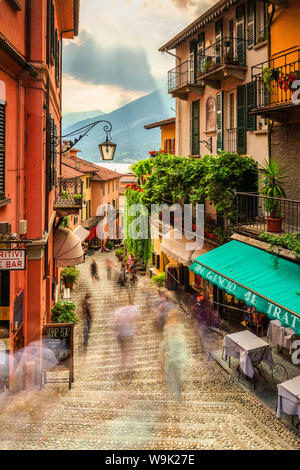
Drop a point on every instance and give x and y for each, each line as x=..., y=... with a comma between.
x=220, y=127
x=219, y=38
x=241, y=119
x=52, y=30
x=251, y=23
x=52, y=153
x=2, y=150
x=240, y=34
x=157, y=261
x=195, y=124
x=251, y=103
x=193, y=61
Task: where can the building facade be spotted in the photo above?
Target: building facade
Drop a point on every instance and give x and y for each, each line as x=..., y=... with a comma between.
x=212, y=81
x=30, y=115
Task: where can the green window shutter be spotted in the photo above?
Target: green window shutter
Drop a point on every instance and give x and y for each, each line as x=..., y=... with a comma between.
x=194, y=126
x=54, y=155
x=251, y=103
x=219, y=30
x=242, y=119
x=220, y=126
x=2, y=150
x=251, y=23
x=240, y=34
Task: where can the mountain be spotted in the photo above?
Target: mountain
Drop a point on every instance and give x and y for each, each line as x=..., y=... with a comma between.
x=133, y=141
x=71, y=118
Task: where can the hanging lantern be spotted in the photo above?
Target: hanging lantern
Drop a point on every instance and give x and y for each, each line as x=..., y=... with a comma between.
x=107, y=149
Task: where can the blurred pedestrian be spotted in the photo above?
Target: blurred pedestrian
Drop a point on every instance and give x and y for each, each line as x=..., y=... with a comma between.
x=94, y=271
x=175, y=354
x=130, y=262
x=126, y=323
x=164, y=306
x=87, y=318
x=122, y=276
x=109, y=265
x=200, y=314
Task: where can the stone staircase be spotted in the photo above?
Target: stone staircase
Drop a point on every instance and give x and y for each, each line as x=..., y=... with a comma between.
x=101, y=411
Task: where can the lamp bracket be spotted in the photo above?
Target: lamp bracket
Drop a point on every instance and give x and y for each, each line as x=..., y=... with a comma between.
x=207, y=143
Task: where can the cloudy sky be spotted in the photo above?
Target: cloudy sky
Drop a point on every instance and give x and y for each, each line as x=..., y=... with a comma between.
x=115, y=58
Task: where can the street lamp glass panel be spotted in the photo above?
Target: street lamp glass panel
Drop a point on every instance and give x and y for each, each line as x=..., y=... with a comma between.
x=107, y=150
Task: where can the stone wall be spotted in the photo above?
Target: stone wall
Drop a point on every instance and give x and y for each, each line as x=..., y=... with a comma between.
x=285, y=146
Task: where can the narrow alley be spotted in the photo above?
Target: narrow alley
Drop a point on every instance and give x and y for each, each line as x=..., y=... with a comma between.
x=103, y=412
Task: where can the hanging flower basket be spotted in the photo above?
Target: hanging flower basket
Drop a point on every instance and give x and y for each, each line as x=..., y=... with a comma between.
x=285, y=81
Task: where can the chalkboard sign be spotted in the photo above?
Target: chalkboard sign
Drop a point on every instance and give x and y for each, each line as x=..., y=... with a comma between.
x=58, y=350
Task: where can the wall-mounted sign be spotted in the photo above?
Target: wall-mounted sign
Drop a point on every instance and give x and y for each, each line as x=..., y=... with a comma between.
x=12, y=260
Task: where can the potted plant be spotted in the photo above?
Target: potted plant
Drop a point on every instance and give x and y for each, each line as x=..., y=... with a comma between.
x=64, y=312
x=267, y=74
x=64, y=194
x=272, y=186
x=77, y=197
x=69, y=276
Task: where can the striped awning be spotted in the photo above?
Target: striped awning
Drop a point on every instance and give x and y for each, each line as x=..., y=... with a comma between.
x=67, y=248
x=81, y=233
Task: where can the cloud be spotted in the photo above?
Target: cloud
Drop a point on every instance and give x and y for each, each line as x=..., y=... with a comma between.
x=118, y=65
x=79, y=96
x=198, y=7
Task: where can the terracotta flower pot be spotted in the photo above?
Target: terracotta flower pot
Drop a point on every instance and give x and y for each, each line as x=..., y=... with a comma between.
x=274, y=225
x=68, y=285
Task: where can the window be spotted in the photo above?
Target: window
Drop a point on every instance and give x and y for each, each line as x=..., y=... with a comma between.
x=2, y=150
x=108, y=184
x=57, y=57
x=261, y=31
x=211, y=114
x=113, y=185
x=87, y=182
x=103, y=189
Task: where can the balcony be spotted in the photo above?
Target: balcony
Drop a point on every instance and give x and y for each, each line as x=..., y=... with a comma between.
x=68, y=196
x=272, y=82
x=224, y=59
x=182, y=80
x=253, y=216
x=231, y=140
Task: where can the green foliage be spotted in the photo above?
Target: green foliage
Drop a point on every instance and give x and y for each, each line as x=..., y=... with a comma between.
x=142, y=168
x=267, y=77
x=141, y=247
x=64, y=312
x=66, y=222
x=110, y=244
x=119, y=252
x=215, y=178
x=159, y=280
x=272, y=185
x=64, y=194
x=289, y=241
x=70, y=275
x=77, y=197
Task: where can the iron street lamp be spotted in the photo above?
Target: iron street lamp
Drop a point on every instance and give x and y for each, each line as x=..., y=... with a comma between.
x=107, y=148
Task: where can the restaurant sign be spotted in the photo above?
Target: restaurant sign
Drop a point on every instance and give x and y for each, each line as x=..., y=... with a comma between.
x=261, y=304
x=12, y=260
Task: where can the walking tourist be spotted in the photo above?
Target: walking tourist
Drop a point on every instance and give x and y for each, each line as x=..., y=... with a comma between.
x=94, y=271
x=175, y=354
x=126, y=323
x=88, y=319
x=109, y=264
x=164, y=306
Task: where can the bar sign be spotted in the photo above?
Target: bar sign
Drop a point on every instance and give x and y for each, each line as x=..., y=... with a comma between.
x=12, y=260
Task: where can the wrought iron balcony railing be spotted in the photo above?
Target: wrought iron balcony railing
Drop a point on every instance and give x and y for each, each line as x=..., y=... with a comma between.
x=181, y=76
x=227, y=51
x=273, y=80
x=257, y=214
x=69, y=194
x=232, y=140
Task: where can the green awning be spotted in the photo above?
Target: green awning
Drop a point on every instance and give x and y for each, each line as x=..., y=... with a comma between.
x=252, y=275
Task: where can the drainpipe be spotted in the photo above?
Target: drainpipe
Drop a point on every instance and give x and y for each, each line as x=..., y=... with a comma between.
x=179, y=110
x=270, y=126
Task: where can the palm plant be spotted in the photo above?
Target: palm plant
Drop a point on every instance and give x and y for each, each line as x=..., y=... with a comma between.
x=272, y=185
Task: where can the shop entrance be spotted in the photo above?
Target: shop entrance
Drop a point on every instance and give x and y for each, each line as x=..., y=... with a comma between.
x=4, y=327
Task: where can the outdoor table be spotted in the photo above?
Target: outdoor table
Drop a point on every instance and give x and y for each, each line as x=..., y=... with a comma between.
x=249, y=348
x=278, y=334
x=289, y=397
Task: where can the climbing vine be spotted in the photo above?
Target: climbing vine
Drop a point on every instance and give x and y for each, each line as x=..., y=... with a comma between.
x=215, y=178
x=137, y=223
x=289, y=241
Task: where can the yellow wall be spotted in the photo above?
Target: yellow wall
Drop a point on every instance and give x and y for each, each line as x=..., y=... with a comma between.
x=167, y=132
x=285, y=29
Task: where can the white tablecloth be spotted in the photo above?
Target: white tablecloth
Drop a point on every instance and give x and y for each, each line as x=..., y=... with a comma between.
x=289, y=397
x=280, y=335
x=249, y=348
